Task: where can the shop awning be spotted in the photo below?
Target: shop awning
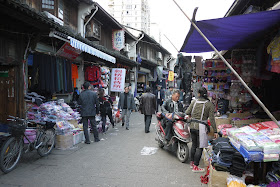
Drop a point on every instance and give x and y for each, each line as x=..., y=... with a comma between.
x=77, y=44
x=230, y=32
x=91, y=50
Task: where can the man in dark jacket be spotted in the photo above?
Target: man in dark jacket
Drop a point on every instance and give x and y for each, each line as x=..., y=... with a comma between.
x=89, y=108
x=148, y=106
x=159, y=93
x=170, y=106
x=126, y=103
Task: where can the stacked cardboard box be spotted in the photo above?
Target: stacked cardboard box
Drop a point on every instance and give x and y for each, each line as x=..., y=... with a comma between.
x=64, y=141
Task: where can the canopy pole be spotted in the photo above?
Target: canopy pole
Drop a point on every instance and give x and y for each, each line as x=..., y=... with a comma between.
x=229, y=66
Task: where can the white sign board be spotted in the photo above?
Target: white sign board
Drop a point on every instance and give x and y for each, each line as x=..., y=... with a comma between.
x=118, y=39
x=118, y=79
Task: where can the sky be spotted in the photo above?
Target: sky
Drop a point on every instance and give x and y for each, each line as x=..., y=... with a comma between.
x=173, y=23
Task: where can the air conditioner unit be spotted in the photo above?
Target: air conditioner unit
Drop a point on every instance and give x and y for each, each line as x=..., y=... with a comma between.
x=49, y=15
x=159, y=56
x=126, y=48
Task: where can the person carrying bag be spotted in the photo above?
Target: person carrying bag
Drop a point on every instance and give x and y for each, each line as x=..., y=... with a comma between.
x=200, y=110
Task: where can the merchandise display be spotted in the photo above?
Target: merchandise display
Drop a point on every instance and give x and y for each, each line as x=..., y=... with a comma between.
x=233, y=181
x=63, y=115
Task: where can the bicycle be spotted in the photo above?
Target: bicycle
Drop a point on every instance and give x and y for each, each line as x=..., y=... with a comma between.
x=13, y=147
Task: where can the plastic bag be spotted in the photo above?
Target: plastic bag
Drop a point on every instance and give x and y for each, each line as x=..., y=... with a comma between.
x=233, y=181
x=118, y=114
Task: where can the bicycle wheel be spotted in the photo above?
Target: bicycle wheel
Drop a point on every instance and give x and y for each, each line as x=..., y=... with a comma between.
x=47, y=139
x=10, y=154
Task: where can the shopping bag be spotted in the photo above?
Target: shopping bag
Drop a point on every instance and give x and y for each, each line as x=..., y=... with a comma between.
x=118, y=114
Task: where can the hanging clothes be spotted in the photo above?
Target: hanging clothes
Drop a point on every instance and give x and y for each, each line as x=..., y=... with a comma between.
x=58, y=76
x=51, y=75
x=274, y=48
x=69, y=77
x=199, y=65
x=93, y=75
x=75, y=74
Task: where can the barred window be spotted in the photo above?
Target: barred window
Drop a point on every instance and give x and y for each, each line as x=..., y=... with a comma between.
x=48, y=4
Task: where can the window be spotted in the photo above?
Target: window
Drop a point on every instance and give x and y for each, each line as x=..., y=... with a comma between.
x=60, y=9
x=48, y=4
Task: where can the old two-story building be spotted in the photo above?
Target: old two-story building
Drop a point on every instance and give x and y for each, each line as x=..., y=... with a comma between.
x=52, y=46
x=43, y=49
x=155, y=63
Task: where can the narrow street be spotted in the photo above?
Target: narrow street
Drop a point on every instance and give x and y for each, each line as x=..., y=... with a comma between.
x=114, y=161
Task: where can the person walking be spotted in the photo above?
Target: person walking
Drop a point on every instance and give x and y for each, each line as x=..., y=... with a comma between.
x=169, y=92
x=89, y=108
x=127, y=104
x=105, y=103
x=159, y=93
x=200, y=109
x=148, y=106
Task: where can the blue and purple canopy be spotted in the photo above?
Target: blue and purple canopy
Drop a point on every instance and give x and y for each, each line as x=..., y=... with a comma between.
x=230, y=32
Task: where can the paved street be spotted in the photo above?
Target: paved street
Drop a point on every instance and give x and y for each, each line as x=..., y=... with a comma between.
x=114, y=161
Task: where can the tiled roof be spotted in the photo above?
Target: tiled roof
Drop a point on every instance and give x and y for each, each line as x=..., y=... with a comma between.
x=25, y=9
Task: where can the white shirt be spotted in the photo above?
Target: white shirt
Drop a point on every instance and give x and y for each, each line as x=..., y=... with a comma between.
x=176, y=108
x=158, y=95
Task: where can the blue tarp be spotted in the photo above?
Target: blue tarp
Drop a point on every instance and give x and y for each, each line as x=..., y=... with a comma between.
x=230, y=32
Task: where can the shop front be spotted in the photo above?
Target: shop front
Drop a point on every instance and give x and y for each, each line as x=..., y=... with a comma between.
x=248, y=148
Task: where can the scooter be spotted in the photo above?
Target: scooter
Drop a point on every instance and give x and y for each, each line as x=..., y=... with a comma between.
x=181, y=134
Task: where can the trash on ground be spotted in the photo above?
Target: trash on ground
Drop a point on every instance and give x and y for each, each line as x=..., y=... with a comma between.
x=148, y=150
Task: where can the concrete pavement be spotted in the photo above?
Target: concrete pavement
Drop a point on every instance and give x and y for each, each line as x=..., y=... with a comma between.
x=114, y=161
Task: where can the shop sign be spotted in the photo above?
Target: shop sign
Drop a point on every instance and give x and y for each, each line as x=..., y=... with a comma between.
x=118, y=79
x=171, y=76
x=118, y=39
x=67, y=51
x=4, y=73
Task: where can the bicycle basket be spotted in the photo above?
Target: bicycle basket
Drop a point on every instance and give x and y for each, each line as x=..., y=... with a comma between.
x=16, y=128
x=49, y=125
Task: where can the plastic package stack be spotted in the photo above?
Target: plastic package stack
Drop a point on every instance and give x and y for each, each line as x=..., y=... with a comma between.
x=56, y=111
x=257, y=142
x=222, y=129
x=233, y=181
x=64, y=128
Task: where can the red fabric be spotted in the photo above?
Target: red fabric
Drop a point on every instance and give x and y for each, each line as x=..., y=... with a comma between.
x=270, y=124
x=92, y=73
x=75, y=74
x=258, y=126
x=275, y=69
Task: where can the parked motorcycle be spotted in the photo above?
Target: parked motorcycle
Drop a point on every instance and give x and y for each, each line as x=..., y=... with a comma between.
x=181, y=134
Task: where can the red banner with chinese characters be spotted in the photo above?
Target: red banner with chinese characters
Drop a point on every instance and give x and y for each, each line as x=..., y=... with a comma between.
x=67, y=51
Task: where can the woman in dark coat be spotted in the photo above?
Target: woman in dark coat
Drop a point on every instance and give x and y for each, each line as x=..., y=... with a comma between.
x=105, y=108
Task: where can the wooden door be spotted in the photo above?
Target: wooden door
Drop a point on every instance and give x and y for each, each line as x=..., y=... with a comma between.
x=7, y=93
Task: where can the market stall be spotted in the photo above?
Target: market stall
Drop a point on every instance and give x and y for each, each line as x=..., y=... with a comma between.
x=250, y=153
